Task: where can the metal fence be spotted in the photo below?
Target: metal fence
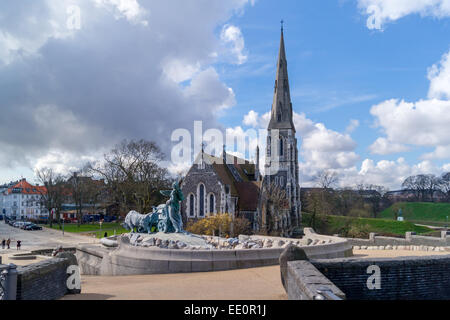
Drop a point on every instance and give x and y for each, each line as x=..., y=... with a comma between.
x=8, y=282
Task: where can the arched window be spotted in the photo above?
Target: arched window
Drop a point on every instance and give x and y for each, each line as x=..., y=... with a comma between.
x=212, y=203
x=191, y=205
x=201, y=201
x=281, y=147
x=281, y=181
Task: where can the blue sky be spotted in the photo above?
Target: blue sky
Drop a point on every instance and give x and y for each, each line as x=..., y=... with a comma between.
x=334, y=62
x=338, y=67
x=138, y=69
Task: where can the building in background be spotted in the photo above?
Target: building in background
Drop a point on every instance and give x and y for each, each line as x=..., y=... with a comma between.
x=281, y=169
x=232, y=185
x=22, y=200
x=221, y=185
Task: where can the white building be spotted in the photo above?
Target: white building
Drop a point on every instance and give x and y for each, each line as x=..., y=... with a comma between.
x=23, y=201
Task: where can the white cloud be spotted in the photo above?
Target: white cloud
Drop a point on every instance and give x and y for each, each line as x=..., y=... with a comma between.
x=439, y=76
x=424, y=123
x=233, y=38
x=321, y=148
x=352, y=126
x=381, y=12
x=130, y=9
x=383, y=146
x=390, y=174
x=251, y=119
x=78, y=91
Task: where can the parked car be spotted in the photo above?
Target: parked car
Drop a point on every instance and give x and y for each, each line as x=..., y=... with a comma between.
x=23, y=225
x=32, y=226
x=109, y=218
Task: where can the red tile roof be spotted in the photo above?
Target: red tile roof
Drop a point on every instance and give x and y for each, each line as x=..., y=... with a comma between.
x=27, y=188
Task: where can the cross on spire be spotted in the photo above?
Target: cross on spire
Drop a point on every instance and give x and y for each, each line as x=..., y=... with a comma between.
x=282, y=24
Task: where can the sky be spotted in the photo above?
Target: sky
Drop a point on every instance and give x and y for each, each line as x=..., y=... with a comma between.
x=370, y=80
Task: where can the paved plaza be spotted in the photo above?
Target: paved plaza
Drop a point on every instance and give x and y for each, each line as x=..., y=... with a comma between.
x=40, y=239
x=247, y=284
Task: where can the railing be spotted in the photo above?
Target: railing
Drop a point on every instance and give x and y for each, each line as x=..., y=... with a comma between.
x=326, y=294
x=8, y=282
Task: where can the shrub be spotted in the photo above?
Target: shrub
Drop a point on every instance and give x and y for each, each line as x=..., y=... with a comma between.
x=219, y=223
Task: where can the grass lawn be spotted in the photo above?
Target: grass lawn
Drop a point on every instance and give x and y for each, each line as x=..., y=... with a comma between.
x=108, y=227
x=419, y=212
x=362, y=226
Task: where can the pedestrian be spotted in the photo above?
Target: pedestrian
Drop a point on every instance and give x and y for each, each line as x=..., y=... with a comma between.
x=18, y=244
x=106, y=235
x=3, y=243
x=8, y=242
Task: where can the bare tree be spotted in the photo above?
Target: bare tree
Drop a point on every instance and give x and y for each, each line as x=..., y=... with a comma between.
x=423, y=185
x=276, y=204
x=134, y=175
x=445, y=185
x=52, y=195
x=326, y=179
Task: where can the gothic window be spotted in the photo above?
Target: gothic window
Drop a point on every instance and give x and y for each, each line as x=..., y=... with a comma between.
x=191, y=205
x=269, y=142
x=281, y=147
x=280, y=113
x=211, y=203
x=281, y=181
x=201, y=201
x=276, y=181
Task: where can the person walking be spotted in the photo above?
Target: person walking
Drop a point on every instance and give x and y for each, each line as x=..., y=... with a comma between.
x=8, y=242
x=3, y=243
x=19, y=243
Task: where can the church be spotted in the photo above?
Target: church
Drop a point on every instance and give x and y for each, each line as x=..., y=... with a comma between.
x=228, y=184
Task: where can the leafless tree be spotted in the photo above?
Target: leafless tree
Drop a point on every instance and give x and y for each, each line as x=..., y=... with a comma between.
x=276, y=203
x=53, y=194
x=83, y=191
x=326, y=179
x=445, y=185
x=134, y=175
x=423, y=185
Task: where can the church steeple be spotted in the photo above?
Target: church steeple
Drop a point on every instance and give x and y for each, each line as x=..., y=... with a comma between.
x=281, y=117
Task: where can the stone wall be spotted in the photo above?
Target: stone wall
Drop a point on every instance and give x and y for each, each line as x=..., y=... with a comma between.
x=45, y=280
x=134, y=260
x=305, y=282
x=210, y=179
x=410, y=239
x=402, y=278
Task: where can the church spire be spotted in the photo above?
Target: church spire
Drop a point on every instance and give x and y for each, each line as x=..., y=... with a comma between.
x=281, y=117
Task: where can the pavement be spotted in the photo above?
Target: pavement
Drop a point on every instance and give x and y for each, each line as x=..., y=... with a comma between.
x=40, y=239
x=245, y=284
